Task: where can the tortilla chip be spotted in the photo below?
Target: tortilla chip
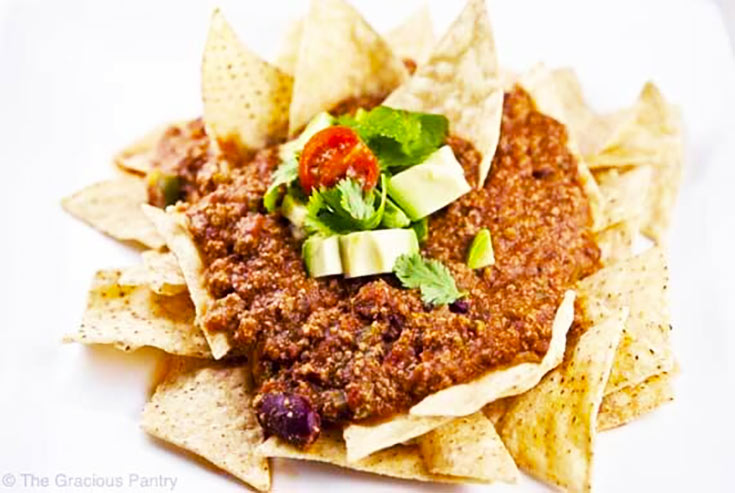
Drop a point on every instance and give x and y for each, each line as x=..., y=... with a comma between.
x=137, y=157
x=540, y=83
x=629, y=403
x=665, y=182
x=400, y=461
x=616, y=242
x=245, y=99
x=173, y=227
x=207, y=411
x=624, y=194
x=468, y=447
x=550, y=430
x=461, y=400
x=639, y=283
x=340, y=57
x=113, y=207
x=133, y=317
x=496, y=410
x=414, y=38
x=461, y=81
x=159, y=271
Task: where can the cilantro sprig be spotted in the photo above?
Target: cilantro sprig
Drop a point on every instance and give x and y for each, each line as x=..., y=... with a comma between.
x=286, y=173
x=398, y=138
x=345, y=208
x=430, y=276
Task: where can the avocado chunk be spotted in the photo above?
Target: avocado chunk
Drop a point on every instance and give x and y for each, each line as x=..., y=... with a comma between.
x=294, y=210
x=375, y=252
x=481, y=250
x=321, y=256
x=429, y=186
x=319, y=122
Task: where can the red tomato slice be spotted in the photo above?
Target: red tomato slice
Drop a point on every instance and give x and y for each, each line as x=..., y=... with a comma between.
x=336, y=153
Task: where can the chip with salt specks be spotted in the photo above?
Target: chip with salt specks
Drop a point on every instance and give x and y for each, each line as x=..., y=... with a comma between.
x=138, y=156
x=245, y=99
x=639, y=283
x=159, y=271
x=400, y=461
x=414, y=38
x=629, y=403
x=461, y=400
x=206, y=410
x=540, y=84
x=468, y=447
x=461, y=80
x=340, y=57
x=173, y=227
x=665, y=182
x=113, y=207
x=624, y=193
x=550, y=430
x=132, y=317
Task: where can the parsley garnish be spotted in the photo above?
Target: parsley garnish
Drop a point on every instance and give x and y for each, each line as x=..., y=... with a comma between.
x=345, y=208
x=286, y=173
x=430, y=276
x=398, y=138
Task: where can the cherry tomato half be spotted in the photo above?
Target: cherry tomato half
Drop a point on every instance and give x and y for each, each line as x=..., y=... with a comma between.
x=336, y=153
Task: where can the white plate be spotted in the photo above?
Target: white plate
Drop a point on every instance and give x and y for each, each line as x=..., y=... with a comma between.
x=81, y=79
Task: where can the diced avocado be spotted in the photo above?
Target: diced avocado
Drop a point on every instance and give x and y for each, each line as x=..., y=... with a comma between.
x=393, y=216
x=294, y=210
x=321, y=256
x=375, y=252
x=319, y=122
x=429, y=186
x=421, y=228
x=481, y=251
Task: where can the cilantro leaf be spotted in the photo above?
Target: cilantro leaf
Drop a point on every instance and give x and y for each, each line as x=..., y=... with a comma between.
x=286, y=173
x=399, y=138
x=430, y=276
x=344, y=208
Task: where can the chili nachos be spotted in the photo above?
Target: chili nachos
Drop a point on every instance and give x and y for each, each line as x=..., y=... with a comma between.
x=408, y=262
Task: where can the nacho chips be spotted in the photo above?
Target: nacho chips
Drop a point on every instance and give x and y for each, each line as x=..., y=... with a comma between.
x=468, y=447
x=624, y=194
x=629, y=403
x=461, y=81
x=113, y=207
x=414, y=38
x=639, y=283
x=172, y=226
x=137, y=157
x=133, y=317
x=463, y=399
x=616, y=242
x=550, y=430
x=340, y=56
x=206, y=410
x=245, y=99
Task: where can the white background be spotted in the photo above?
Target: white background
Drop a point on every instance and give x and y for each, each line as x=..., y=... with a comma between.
x=79, y=80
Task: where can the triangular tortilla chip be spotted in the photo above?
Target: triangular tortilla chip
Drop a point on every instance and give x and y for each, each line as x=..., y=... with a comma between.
x=401, y=461
x=245, y=99
x=550, y=430
x=461, y=81
x=639, y=283
x=629, y=403
x=113, y=207
x=468, y=447
x=289, y=50
x=461, y=400
x=661, y=197
x=414, y=38
x=138, y=156
x=207, y=411
x=539, y=82
x=340, y=57
x=159, y=271
x=624, y=194
x=133, y=317
x=173, y=227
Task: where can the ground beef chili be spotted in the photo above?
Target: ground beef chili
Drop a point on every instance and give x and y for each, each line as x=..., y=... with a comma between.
x=338, y=350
